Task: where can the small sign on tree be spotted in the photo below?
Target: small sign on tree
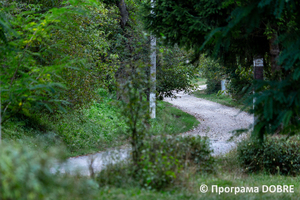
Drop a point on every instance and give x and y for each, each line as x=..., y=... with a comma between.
x=258, y=64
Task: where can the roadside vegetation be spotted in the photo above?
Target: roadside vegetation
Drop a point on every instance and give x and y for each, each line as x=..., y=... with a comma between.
x=228, y=172
x=93, y=129
x=174, y=168
x=199, y=80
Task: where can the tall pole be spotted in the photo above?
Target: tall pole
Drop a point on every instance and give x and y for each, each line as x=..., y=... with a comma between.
x=153, y=75
x=258, y=65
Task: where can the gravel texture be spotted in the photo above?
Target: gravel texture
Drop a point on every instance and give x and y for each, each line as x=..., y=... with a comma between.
x=216, y=122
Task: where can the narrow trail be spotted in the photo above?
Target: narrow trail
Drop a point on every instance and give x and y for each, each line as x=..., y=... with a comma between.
x=216, y=122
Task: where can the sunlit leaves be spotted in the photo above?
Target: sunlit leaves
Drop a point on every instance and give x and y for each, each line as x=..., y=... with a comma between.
x=49, y=55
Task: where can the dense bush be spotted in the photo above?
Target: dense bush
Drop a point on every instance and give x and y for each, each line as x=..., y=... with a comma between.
x=164, y=159
x=52, y=55
x=240, y=80
x=92, y=128
x=275, y=155
x=163, y=162
x=173, y=74
x=26, y=174
x=213, y=86
x=120, y=174
x=213, y=72
x=80, y=131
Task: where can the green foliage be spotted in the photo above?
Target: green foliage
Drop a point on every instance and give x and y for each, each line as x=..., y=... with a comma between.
x=118, y=175
x=80, y=131
x=213, y=72
x=164, y=161
x=24, y=83
x=89, y=41
x=219, y=98
x=164, y=158
x=276, y=155
x=173, y=73
x=277, y=107
x=44, y=4
x=185, y=23
x=91, y=130
x=213, y=86
x=26, y=174
x=228, y=174
x=170, y=120
x=240, y=80
x=50, y=58
x=135, y=110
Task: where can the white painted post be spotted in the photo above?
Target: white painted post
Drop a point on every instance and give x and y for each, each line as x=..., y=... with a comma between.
x=223, y=86
x=153, y=75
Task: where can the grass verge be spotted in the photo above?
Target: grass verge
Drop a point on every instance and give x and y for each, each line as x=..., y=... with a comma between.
x=221, y=99
x=171, y=120
x=199, y=81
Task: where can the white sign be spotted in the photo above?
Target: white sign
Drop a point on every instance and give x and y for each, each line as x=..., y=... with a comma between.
x=259, y=62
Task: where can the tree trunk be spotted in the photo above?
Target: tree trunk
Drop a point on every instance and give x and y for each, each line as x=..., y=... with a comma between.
x=121, y=73
x=274, y=53
x=124, y=13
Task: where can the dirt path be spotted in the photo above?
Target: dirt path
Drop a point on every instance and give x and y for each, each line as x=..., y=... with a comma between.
x=216, y=122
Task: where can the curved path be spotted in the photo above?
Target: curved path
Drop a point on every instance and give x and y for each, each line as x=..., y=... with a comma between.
x=216, y=122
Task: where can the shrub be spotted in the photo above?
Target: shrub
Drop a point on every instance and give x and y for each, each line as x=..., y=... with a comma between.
x=213, y=86
x=163, y=162
x=240, y=80
x=118, y=175
x=275, y=155
x=164, y=159
x=173, y=74
x=26, y=174
x=213, y=72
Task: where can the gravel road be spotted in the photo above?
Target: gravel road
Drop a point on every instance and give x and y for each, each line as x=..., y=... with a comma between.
x=216, y=122
x=98, y=161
